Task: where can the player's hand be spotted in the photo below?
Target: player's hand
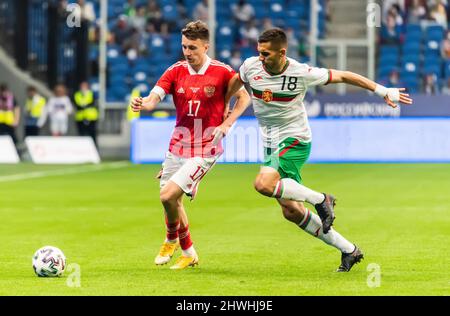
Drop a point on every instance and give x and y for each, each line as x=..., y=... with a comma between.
x=219, y=133
x=136, y=104
x=396, y=95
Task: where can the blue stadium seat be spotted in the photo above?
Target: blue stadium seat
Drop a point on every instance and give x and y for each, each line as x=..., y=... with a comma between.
x=385, y=70
x=447, y=69
x=409, y=69
x=433, y=69
x=411, y=58
x=261, y=11
x=412, y=84
x=414, y=29
x=435, y=33
x=276, y=9
x=389, y=59
x=412, y=47
x=170, y=12
x=120, y=92
x=390, y=50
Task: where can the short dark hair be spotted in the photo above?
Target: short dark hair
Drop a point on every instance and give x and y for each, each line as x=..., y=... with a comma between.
x=196, y=30
x=275, y=36
x=31, y=89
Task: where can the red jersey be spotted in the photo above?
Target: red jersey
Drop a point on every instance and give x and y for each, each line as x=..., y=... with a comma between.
x=199, y=100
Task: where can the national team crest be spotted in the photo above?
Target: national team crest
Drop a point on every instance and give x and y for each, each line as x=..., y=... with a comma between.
x=267, y=95
x=209, y=91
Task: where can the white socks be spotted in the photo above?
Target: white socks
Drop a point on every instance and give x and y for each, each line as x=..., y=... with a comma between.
x=313, y=226
x=292, y=190
x=190, y=252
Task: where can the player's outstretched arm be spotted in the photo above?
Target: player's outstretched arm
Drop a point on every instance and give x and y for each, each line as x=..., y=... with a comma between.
x=147, y=104
x=391, y=96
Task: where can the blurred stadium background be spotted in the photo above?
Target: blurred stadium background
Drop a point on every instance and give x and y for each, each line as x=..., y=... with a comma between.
x=396, y=42
x=121, y=47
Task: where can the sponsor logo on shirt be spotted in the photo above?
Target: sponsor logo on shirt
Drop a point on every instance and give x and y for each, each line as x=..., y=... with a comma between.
x=267, y=95
x=257, y=78
x=209, y=91
x=181, y=90
x=195, y=90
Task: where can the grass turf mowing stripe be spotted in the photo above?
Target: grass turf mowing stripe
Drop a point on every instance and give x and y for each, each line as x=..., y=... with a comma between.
x=63, y=172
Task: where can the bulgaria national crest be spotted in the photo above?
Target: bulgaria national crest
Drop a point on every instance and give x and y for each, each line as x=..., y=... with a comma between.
x=267, y=95
x=209, y=91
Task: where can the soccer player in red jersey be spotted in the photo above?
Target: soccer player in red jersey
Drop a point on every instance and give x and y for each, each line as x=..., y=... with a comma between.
x=198, y=86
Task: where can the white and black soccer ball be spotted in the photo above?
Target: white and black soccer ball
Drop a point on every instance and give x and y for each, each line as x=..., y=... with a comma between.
x=49, y=261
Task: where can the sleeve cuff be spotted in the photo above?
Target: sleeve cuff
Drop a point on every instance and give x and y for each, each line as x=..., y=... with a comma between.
x=239, y=76
x=159, y=91
x=330, y=76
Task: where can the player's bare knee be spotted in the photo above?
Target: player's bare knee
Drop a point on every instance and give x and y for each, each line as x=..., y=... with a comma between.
x=167, y=197
x=263, y=187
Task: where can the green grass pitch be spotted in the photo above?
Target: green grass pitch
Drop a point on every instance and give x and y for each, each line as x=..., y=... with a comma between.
x=110, y=223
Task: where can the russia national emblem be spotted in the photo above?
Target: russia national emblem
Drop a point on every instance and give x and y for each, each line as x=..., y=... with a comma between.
x=267, y=95
x=209, y=91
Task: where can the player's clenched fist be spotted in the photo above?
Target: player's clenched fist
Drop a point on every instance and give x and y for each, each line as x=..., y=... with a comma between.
x=136, y=104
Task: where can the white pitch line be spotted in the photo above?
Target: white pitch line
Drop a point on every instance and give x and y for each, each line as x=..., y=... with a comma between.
x=63, y=172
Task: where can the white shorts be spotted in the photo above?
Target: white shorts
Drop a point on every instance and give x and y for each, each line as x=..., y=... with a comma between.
x=186, y=172
x=59, y=125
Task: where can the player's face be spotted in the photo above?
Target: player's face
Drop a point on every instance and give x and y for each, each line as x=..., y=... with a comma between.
x=194, y=51
x=270, y=56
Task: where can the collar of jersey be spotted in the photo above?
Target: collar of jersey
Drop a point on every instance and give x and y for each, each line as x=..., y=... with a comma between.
x=282, y=70
x=202, y=70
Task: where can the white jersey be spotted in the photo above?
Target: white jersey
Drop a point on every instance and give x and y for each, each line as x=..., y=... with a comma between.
x=58, y=108
x=278, y=99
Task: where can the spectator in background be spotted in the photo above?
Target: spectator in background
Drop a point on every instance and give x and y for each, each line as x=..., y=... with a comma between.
x=397, y=13
x=201, y=11
x=430, y=84
x=236, y=60
x=86, y=12
x=446, y=88
x=394, y=80
x=153, y=9
x=129, y=8
x=58, y=108
x=121, y=30
x=445, y=47
x=417, y=12
x=132, y=44
x=243, y=12
x=9, y=113
x=267, y=24
x=86, y=115
x=293, y=44
x=438, y=12
x=139, y=21
x=249, y=34
x=157, y=20
x=390, y=32
x=34, y=108
x=304, y=47
x=398, y=5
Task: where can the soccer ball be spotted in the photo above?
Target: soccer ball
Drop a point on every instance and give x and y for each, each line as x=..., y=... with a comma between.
x=49, y=261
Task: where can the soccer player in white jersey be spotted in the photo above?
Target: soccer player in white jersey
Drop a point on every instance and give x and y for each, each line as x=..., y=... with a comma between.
x=279, y=85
